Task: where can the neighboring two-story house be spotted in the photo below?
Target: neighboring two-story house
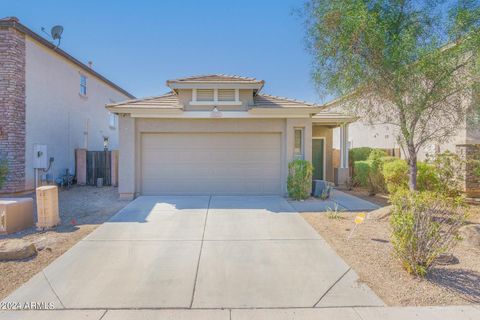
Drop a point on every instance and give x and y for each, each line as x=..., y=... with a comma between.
x=466, y=142
x=50, y=104
x=218, y=134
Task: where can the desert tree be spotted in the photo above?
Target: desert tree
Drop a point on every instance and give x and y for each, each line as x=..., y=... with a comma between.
x=407, y=63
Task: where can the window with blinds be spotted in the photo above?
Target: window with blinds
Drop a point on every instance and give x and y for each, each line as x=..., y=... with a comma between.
x=204, y=94
x=226, y=94
x=298, y=149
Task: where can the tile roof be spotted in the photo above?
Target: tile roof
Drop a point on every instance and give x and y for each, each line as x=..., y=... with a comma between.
x=269, y=101
x=217, y=78
x=168, y=100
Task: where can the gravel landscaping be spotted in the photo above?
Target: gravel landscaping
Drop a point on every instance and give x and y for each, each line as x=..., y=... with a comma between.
x=378, y=199
x=82, y=209
x=370, y=254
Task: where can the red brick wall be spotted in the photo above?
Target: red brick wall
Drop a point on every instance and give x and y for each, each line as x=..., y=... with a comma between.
x=12, y=107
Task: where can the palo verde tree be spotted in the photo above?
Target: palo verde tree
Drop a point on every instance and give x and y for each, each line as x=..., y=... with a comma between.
x=408, y=63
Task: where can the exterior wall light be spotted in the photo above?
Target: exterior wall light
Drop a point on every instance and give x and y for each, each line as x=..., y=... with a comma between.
x=215, y=113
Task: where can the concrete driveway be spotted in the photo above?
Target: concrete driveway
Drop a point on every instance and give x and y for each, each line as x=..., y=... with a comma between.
x=200, y=252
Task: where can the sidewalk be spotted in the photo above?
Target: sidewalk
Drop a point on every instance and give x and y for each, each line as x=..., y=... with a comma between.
x=355, y=313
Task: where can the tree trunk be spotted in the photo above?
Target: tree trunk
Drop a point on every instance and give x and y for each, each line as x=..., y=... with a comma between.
x=412, y=163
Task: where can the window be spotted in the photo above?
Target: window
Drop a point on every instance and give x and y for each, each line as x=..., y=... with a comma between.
x=204, y=94
x=83, y=85
x=226, y=94
x=112, y=120
x=298, y=151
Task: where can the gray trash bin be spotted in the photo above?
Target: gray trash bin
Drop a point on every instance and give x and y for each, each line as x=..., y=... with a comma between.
x=321, y=188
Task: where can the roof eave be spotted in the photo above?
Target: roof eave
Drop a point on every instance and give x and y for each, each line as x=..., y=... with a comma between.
x=307, y=110
x=132, y=109
x=156, y=112
x=214, y=85
x=333, y=119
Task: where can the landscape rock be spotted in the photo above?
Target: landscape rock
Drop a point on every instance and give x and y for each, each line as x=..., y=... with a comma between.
x=381, y=213
x=447, y=259
x=16, y=249
x=44, y=243
x=471, y=234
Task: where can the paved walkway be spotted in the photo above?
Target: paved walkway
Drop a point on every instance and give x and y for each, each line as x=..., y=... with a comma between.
x=339, y=200
x=349, y=313
x=206, y=258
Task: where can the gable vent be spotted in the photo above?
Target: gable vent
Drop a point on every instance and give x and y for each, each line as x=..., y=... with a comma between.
x=204, y=94
x=226, y=94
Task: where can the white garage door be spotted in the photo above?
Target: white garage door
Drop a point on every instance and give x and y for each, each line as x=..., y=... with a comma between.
x=211, y=163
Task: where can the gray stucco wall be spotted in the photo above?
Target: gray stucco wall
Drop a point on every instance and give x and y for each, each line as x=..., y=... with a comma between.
x=58, y=116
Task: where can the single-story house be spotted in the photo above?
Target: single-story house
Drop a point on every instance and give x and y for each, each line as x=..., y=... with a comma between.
x=218, y=134
x=50, y=104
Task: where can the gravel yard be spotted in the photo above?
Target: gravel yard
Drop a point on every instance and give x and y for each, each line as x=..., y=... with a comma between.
x=379, y=199
x=370, y=254
x=82, y=209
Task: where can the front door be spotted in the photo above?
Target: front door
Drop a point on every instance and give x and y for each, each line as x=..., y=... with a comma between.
x=318, y=158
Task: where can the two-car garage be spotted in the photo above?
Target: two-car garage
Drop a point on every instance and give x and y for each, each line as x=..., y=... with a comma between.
x=210, y=163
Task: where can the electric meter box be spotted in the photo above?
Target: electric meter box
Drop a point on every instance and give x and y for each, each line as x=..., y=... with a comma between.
x=40, y=158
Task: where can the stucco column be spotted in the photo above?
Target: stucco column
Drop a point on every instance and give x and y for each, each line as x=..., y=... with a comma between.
x=81, y=166
x=126, y=157
x=343, y=173
x=344, y=146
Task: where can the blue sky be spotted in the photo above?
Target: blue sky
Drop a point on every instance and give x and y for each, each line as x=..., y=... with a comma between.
x=140, y=44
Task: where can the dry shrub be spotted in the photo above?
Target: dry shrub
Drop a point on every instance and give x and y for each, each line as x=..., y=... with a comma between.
x=424, y=226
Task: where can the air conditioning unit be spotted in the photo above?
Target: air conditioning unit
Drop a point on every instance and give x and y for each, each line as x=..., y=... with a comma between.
x=47, y=207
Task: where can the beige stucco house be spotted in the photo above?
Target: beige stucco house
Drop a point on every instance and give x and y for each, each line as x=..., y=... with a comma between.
x=219, y=134
x=465, y=141
x=50, y=104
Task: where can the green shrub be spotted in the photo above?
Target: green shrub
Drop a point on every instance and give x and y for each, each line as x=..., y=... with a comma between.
x=361, y=169
x=377, y=154
x=375, y=181
x=396, y=177
x=395, y=174
x=367, y=163
x=427, y=177
x=384, y=173
x=299, y=179
x=370, y=174
x=3, y=171
x=389, y=159
x=424, y=226
x=448, y=167
x=359, y=154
